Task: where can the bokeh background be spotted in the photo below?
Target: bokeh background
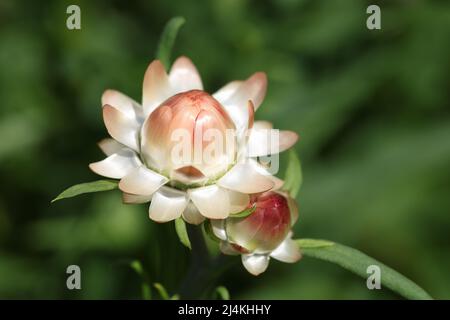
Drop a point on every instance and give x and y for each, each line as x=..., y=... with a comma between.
x=371, y=107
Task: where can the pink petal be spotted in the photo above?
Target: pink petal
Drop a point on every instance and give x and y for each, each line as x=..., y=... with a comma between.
x=123, y=103
x=184, y=76
x=156, y=87
x=121, y=127
x=264, y=142
x=227, y=91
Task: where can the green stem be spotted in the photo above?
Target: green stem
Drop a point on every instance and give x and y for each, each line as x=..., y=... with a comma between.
x=204, y=270
x=193, y=286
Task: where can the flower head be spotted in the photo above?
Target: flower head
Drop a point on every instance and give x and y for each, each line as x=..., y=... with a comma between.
x=178, y=134
x=263, y=234
x=188, y=152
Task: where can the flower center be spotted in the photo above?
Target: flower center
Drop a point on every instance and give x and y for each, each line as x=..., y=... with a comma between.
x=190, y=138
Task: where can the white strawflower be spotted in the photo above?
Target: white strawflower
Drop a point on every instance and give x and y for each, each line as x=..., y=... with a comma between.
x=188, y=152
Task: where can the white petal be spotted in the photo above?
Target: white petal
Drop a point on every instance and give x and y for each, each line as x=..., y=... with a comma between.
x=227, y=248
x=227, y=91
x=277, y=183
x=117, y=165
x=110, y=146
x=245, y=178
x=156, y=87
x=142, y=181
x=218, y=228
x=238, y=201
x=212, y=201
x=253, y=89
x=167, y=204
x=184, y=76
x=121, y=126
x=123, y=103
x=135, y=198
x=192, y=215
x=255, y=263
x=287, y=251
x=264, y=142
x=263, y=125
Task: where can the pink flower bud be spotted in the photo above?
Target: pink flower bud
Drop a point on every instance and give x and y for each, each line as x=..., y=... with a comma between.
x=189, y=138
x=263, y=230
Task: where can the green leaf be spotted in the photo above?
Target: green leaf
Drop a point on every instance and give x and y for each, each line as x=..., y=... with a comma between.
x=357, y=262
x=180, y=227
x=313, y=243
x=244, y=213
x=162, y=291
x=137, y=266
x=146, y=292
x=145, y=288
x=88, y=187
x=293, y=176
x=167, y=40
x=222, y=293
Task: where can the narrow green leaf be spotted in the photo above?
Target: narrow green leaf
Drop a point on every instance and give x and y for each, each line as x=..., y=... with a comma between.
x=175, y=297
x=145, y=288
x=313, y=243
x=293, y=176
x=357, y=262
x=180, y=227
x=223, y=293
x=162, y=291
x=88, y=187
x=167, y=40
x=146, y=292
x=244, y=213
x=137, y=266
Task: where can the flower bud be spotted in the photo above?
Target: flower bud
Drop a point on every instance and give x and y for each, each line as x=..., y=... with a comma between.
x=189, y=138
x=263, y=230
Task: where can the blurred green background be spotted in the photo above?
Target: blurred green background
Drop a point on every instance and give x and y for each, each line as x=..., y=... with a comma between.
x=371, y=107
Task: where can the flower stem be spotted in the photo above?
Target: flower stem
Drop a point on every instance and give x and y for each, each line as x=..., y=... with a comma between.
x=204, y=270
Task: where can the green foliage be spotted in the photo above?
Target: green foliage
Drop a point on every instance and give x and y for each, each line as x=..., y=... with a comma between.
x=145, y=288
x=314, y=243
x=222, y=293
x=358, y=262
x=162, y=291
x=167, y=40
x=88, y=187
x=293, y=177
x=180, y=227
